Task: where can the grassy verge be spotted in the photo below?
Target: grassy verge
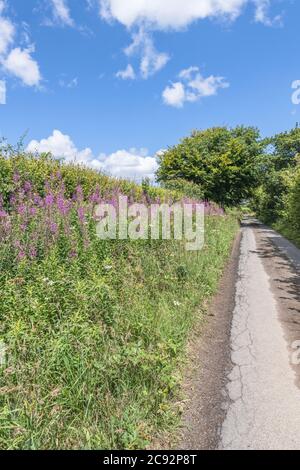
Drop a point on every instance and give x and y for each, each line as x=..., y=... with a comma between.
x=93, y=345
x=288, y=232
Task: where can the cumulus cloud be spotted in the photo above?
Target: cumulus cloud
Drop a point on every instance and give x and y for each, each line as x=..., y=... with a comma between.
x=7, y=31
x=17, y=62
x=151, y=60
x=145, y=16
x=61, y=12
x=126, y=74
x=2, y=92
x=131, y=164
x=192, y=87
x=174, y=95
x=172, y=14
x=20, y=64
x=61, y=146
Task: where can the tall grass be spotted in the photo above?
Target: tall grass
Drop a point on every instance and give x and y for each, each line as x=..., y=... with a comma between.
x=94, y=330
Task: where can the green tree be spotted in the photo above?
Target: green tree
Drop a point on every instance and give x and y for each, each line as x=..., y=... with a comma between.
x=223, y=162
x=286, y=149
x=278, y=170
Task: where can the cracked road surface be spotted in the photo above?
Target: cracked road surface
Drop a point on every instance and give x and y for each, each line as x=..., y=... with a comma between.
x=261, y=397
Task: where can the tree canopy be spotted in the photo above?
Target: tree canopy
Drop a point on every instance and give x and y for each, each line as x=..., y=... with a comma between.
x=223, y=162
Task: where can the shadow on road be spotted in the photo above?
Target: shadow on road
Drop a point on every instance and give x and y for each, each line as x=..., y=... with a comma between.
x=281, y=260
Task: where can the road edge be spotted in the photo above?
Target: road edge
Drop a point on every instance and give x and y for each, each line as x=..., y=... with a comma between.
x=209, y=363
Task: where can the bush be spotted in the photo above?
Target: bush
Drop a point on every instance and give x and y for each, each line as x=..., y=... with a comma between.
x=289, y=221
x=37, y=168
x=186, y=188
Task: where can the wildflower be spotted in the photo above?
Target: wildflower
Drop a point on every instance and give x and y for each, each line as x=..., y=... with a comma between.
x=16, y=177
x=38, y=201
x=108, y=268
x=49, y=200
x=46, y=280
x=21, y=255
x=78, y=196
x=27, y=186
x=32, y=252
x=81, y=214
x=53, y=228
x=21, y=209
x=3, y=214
x=176, y=303
x=32, y=211
x=63, y=206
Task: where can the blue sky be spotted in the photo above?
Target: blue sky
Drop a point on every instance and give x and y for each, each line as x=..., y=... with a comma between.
x=111, y=82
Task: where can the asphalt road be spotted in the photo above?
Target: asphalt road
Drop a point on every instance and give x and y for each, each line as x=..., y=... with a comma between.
x=262, y=395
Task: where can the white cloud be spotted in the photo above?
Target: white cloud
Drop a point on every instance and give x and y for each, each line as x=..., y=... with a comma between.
x=2, y=92
x=7, y=31
x=206, y=86
x=132, y=164
x=165, y=15
x=172, y=14
x=61, y=12
x=262, y=14
x=174, y=95
x=61, y=146
x=192, y=87
x=20, y=64
x=73, y=83
x=151, y=60
x=17, y=61
x=127, y=74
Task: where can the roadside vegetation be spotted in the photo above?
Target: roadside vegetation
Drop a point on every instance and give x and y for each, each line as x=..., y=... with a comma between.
x=93, y=332
x=277, y=198
x=238, y=168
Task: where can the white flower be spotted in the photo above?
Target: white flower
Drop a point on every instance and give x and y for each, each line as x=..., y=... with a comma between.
x=108, y=268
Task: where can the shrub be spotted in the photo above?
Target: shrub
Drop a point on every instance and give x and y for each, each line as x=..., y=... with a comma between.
x=37, y=168
x=186, y=188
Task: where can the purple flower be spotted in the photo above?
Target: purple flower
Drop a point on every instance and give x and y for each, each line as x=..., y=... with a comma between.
x=33, y=211
x=16, y=177
x=27, y=186
x=73, y=253
x=32, y=252
x=21, y=209
x=63, y=205
x=38, y=201
x=49, y=200
x=53, y=228
x=78, y=196
x=81, y=214
x=21, y=255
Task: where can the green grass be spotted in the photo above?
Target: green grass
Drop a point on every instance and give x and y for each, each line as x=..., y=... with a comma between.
x=288, y=232
x=94, y=346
